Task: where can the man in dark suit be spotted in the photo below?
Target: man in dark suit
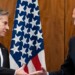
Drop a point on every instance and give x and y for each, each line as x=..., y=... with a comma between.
x=68, y=68
x=4, y=56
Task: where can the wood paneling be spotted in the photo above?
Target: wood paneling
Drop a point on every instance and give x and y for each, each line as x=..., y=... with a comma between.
x=57, y=25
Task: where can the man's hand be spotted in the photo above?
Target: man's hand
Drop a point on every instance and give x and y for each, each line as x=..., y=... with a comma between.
x=41, y=72
x=20, y=71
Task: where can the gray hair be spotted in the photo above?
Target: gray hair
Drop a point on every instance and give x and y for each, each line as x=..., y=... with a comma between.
x=4, y=12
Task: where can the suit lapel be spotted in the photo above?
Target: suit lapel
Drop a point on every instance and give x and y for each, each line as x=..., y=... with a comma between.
x=72, y=49
x=1, y=56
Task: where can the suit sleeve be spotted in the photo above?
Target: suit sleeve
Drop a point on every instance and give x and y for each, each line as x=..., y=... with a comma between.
x=5, y=71
x=7, y=65
x=68, y=68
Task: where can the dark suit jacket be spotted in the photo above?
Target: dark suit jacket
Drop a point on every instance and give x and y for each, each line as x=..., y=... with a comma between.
x=68, y=68
x=5, y=69
x=5, y=56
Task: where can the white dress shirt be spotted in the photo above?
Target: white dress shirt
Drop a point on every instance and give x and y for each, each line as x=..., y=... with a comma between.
x=1, y=58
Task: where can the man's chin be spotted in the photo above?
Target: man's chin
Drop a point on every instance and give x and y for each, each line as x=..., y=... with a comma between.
x=2, y=35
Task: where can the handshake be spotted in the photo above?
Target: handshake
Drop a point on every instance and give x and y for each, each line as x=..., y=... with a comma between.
x=21, y=71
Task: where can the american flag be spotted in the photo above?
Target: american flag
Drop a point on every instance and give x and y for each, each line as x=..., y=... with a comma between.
x=27, y=45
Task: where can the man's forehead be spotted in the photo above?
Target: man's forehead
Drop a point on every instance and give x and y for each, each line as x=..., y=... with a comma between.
x=3, y=17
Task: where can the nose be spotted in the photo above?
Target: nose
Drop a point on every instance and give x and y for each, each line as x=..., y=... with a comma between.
x=7, y=27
